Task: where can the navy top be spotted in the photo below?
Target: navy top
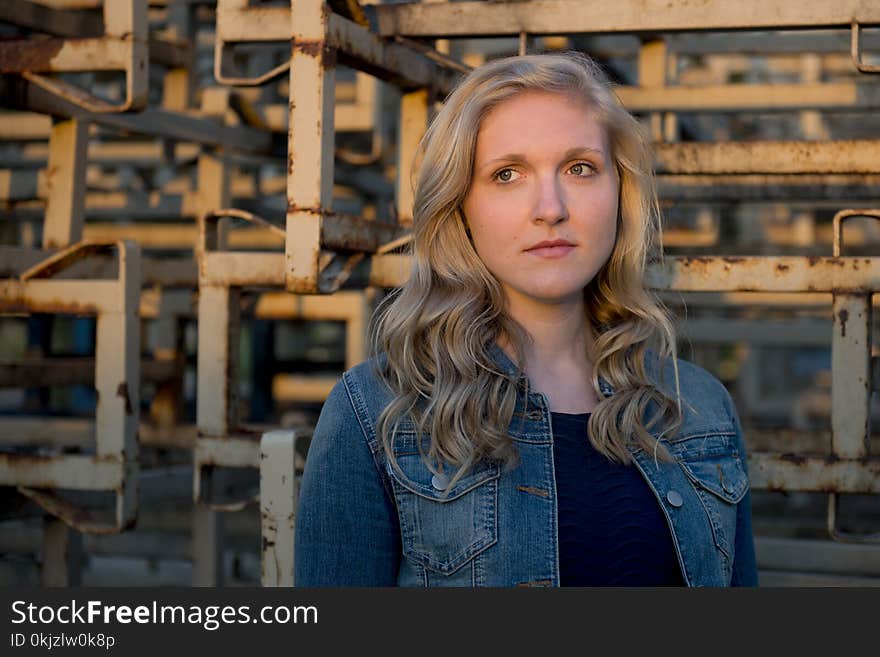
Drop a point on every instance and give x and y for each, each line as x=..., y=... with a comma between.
x=612, y=531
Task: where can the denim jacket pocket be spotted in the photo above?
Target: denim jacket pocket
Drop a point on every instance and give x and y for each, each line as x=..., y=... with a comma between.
x=442, y=529
x=713, y=465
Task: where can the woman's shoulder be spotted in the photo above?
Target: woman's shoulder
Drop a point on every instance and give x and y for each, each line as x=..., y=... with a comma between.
x=366, y=372
x=365, y=385
x=704, y=397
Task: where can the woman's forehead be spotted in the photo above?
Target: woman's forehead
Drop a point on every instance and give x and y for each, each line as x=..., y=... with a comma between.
x=537, y=121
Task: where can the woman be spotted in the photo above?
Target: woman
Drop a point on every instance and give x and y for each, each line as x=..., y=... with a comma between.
x=525, y=420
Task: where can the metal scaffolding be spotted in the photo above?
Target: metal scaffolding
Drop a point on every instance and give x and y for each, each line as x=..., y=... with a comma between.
x=201, y=176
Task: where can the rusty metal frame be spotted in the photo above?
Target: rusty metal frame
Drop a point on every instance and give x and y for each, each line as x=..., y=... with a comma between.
x=357, y=47
x=769, y=157
x=752, y=97
x=114, y=467
x=221, y=441
x=122, y=48
x=538, y=17
x=852, y=377
x=173, y=125
x=856, y=51
x=319, y=38
x=349, y=306
x=222, y=274
x=279, y=492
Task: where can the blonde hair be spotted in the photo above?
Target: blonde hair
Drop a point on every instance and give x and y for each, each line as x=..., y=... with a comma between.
x=436, y=330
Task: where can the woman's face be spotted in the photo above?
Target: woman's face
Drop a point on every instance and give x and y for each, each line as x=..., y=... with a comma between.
x=543, y=173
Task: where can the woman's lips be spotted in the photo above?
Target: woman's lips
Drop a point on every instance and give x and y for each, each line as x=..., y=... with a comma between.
x=552, y=251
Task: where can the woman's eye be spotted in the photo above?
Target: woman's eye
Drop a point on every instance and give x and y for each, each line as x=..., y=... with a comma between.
x=505, y=175
x=581, y=169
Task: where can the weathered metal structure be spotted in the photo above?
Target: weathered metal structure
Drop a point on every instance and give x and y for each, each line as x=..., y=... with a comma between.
x=202, y=176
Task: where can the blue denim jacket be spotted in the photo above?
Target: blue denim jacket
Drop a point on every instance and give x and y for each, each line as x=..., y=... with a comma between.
x=361, y=523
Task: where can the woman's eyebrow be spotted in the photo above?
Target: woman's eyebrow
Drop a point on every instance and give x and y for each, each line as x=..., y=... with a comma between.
x=578, y=150
x=510, y=157
x=517, y=157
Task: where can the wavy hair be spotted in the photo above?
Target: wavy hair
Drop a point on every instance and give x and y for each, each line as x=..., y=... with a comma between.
x=435, y=332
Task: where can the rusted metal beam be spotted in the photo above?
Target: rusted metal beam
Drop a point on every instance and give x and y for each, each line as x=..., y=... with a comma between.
x=851, y=360
x=123, y=47
x=117, y=376
x=66, y=183
x=166, y=272
x=233, y=451
x=715, y=274
x=24, y=126
x=794, y=472
x=732, y=98
x=70, y=471
x=766, y=274
x=293, y=387
x=354, y=44
x=154, y=122
x=309, y=145
x=459, y=19
x=413, y=123
x=59, y=22
x=394, y=62
x=279, y=492
x=217, y=389
x=834, y=157
x=851, y=371
x=747, y=43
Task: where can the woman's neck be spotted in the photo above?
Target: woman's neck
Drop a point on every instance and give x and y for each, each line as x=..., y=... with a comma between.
x=559, y=333
x=556, y=358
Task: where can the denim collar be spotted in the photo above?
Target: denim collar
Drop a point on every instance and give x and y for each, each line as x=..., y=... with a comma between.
x=508, y=367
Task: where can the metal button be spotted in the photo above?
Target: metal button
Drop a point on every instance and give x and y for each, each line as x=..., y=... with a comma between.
x=440, y=481
x=674, y=498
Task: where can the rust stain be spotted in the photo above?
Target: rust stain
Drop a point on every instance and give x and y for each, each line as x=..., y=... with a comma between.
x=842, y=317
x=312, y=47
x=696, y=260
x=317, y=48
x=782, y=268
x=796, y=459
x=29, y=54
x=734, y=260
x=59, y=306
x=293, y=207
x=122, y=391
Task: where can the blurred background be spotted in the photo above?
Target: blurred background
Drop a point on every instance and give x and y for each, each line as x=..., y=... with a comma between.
x=202, y=202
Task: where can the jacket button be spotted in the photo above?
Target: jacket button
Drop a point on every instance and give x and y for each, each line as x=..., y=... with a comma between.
x=440, y=481
x=534, y=415
x=674, y=498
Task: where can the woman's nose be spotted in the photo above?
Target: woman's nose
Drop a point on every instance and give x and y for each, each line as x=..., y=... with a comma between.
x=550, y=207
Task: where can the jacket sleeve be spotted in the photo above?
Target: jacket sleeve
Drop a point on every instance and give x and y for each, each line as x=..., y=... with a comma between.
x=745, y=568
x=347, y=531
